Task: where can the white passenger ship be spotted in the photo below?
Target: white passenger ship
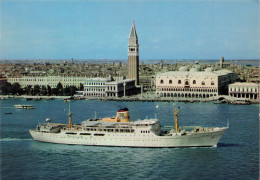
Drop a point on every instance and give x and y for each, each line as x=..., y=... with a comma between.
x=120, y=131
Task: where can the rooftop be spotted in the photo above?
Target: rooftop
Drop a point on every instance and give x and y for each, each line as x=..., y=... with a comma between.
x=244, y=84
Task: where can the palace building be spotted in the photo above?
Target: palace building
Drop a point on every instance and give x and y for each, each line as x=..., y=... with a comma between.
x=193, y=83
x=133, y=55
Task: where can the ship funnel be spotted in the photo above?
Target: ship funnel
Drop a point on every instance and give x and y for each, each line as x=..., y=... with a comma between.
x=123, y=115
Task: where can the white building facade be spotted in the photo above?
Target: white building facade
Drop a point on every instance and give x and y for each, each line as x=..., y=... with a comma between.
x=120, y=88
x=95, y=87
x=244, y=90
x=102, y=87
x=193, y=83
x=52, y=81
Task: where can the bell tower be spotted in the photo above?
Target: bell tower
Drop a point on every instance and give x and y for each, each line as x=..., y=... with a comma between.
x=133, y=55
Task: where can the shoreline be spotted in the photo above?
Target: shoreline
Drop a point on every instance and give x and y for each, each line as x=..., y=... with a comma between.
x=130, y=98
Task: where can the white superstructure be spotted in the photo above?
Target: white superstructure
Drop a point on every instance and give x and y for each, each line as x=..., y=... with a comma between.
x=119, y=131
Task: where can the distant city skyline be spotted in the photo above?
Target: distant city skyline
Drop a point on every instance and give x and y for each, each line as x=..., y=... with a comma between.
x=188, y=29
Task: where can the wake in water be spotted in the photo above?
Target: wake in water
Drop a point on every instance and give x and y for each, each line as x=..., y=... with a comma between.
x=14, y=139
x=6, y=107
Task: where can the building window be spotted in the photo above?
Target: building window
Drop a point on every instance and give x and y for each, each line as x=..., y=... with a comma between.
x=202, y=83
x=194, y=81
x=161, y=81
x=170, y=81
x=212, y=83
x=179, y=82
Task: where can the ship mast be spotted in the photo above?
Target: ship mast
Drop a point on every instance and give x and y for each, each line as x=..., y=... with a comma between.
x=70, y=120
x=176, y=125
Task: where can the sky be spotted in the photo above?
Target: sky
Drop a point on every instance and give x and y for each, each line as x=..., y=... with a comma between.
x=99, y=29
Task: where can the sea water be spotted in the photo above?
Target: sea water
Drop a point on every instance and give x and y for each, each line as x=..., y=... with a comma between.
x=236, y=157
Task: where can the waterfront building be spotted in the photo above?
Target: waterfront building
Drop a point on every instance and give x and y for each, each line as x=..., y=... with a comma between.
x=147, y=82
x=120, y=88
x=133, y=55
x=52, y=81
x=95, y=87
x=244, y=90
x=193, y=83
x=107, y=87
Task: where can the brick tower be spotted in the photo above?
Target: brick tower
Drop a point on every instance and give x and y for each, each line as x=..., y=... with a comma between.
x=133, y=55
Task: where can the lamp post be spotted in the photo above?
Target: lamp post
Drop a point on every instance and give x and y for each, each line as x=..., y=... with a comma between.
x=124, y=88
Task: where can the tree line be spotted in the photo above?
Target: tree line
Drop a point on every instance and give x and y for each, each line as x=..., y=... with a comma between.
x=15, y=89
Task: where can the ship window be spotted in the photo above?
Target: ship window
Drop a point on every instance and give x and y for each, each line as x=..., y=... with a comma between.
x=84, y=134
x=72, y=133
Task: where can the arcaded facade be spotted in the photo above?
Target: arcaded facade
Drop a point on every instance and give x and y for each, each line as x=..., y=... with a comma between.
x=244, y=90
x=95, y=87
x=52, y=81
x=193, y=83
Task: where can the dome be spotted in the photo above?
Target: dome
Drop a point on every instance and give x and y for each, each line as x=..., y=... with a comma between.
x=209, y=69
x=195, y=68
x=183, y=68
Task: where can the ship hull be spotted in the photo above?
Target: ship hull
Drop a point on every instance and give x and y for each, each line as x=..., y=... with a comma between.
x=205, y=139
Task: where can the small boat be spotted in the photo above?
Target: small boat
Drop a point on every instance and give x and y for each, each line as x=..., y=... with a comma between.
x=218, y=102
x=50, y=98
x=8, y=113
x=240, y=101
x=23, y=106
